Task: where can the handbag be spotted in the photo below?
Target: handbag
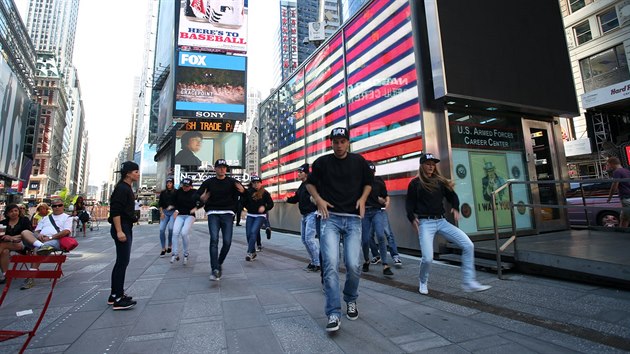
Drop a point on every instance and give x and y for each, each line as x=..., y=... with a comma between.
x=66, y=243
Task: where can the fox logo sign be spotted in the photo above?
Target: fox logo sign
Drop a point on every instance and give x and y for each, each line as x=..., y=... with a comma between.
x=193, y=59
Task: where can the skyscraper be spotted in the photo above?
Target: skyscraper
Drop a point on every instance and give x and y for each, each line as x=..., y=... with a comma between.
x=51, y=24
x=295, y=16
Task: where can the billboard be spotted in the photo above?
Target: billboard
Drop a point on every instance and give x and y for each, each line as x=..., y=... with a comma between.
x=211, y=86
x=213, y=25
x=14, y=104
x=199, y=144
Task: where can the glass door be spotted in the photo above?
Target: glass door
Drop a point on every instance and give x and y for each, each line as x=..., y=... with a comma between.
x=542, y=165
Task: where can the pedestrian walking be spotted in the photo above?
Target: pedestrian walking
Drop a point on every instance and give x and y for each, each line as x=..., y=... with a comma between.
x=425, y=195
x=166, y=203
x=308, y=228
x=219, y=195
x=623, y=187
x=122, y=218
x=257, y=202
x=183, y=218
x=340, y=184
x=374, y=220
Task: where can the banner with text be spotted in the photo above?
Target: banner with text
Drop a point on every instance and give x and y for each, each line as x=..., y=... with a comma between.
x=213, y=25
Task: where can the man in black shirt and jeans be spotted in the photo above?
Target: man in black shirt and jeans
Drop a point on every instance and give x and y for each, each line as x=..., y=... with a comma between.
x=340, y=184
x=219, y=194
x=122, y=217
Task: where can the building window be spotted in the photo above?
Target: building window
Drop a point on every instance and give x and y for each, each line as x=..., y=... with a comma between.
x=576, y=5
x=583, y=32
x=604, y=69
x=608, y=20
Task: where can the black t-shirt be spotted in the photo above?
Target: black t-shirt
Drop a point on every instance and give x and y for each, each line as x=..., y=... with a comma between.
x=122, y=203
x=23, y=224
x=252, y=205
x=167, y=197
x=424, y=202
x=378, y=190
x=304, y=198
x=340, y=182
x=223, y=193
x=184, y=201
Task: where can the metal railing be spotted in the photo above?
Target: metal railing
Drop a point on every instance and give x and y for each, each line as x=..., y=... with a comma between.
x=501, y=247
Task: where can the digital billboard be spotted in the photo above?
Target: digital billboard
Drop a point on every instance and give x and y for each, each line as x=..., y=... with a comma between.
x=210, y=86
x=199, y=144
x=14, y=102
x=213, y=25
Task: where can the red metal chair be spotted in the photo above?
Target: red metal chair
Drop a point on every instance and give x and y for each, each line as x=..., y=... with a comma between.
x=15, y=273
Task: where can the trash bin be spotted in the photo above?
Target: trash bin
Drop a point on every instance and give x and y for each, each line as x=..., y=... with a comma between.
x=155, y=215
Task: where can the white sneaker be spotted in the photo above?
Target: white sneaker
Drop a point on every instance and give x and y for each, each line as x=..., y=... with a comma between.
x=423, y=289
x=475, y=287
x=185, y=260
x=173, y=259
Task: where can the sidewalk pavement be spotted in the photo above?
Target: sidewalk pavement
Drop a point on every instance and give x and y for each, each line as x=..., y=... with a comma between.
x=272, y=305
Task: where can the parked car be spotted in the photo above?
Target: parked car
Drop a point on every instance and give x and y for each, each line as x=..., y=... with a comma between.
x=596, y=196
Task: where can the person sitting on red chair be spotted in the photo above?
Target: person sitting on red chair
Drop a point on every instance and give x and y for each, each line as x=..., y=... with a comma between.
x=47, y=235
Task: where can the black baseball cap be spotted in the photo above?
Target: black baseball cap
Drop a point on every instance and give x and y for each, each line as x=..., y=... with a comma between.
x=304, y=168
x=371, y=166
x=428, y=157
x=187, y=182
x=221, y=162
x=127, y=167
x=340, y=132
x=255, y=179
x=170, y=179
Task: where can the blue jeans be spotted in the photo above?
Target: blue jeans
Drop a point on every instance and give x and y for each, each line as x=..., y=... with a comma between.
x=426, y=232
x=332, y=229
x=308, y=231
x=167, y=221
x=222, y=222
x=374, y=220
x=391, y=240
x=181, y=227
x=252, y=231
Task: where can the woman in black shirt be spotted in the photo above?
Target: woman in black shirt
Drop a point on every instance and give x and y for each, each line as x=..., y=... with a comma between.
x=425, y=211
x=11, y=240
x=122, y=217
x=257, y=202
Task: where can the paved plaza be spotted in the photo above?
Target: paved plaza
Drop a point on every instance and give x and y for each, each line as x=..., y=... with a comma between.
x=272, y=305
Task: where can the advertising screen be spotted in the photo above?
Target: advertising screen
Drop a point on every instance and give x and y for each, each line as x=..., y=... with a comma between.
x=197, y=149
x=14, y=102
x=213, y=25
x=210, y=86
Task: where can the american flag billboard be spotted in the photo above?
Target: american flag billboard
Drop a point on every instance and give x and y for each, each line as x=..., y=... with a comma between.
x=364, y=78
x=383, y=107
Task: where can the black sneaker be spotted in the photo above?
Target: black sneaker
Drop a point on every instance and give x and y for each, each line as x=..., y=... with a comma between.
x=123, y=303
x=111, y=299
x=249, y=257
x=268, y=232
x=353, y=312
x=387, y=271
x=366, y=267
x=253, y=256
x=376, y=260
x=168, y=250
x=333, y=323
x=162, y=253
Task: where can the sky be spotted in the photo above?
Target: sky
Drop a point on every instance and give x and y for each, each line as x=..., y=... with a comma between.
x=108, y=55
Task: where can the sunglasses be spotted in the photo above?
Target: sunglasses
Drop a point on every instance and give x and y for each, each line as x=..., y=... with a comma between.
x=57, y=205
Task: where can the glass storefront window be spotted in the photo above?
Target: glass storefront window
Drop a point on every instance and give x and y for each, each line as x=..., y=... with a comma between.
x=487, y=151
x=605, y=68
